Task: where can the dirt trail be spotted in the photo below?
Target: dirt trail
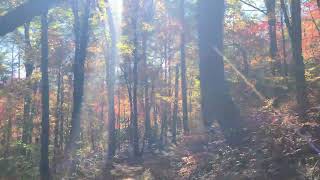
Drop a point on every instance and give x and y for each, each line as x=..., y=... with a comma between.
x=177, y=162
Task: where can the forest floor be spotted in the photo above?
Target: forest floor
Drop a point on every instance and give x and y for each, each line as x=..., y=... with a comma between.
x=278, y=146
x=176, y=162
x=274, y=149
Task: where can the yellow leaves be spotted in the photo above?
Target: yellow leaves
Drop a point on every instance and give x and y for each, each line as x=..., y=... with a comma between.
x=125, y=49
x=36, y=76
x=146, y=27
x=168, y=99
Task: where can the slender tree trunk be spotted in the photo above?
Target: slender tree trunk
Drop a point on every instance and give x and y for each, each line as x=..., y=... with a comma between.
x=147, y=116
x=135, y=81
x=284, y=51
x=101, y=124
x=295, y=32
x=57, y=122
x=44, y=162
x=26, y=132
x=147, y=18
x=175, y=107
x=183, y=70
x=12, y=62
x=8, y=134
x=112, y=144
x=82, y=38
x=119, y=119
x=146, y=92
x=301, y=86
x=61, y=116
x=216, y=102
x=155, y=120
x=164, y=125
x=272, y=25
x=92, y=130
x=19, y=65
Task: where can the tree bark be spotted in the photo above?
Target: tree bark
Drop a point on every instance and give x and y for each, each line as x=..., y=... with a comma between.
x=272, y=25
x=58, y=121
x=147, y=18
x=23, y=14
x=295, y=32
x=44, y=158
x=175, y=107
x=27, y=126
x=216, y=101
x=61, y=116
x=284, y=51
x=81, y=42
x=301, y=86
x=135, y=129
x=112, y=144
x=183, y=70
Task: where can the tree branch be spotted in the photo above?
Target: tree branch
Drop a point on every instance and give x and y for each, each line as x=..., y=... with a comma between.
x=22, y=14
x=255, y=7
x=286, y=17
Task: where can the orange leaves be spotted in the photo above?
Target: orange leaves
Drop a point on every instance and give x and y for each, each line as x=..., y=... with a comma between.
x=311, y=30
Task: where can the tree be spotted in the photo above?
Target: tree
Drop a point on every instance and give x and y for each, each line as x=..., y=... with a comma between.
x=147, y=21
x=23, y=14
x=29, y=67
x=272, y=25
x=216, y=102
x=81, y=28
x=134, y=120
x=175, y=107
x=58, y=115
x=111, y=82
x=295, y=33
x=44, y=162
x=183, y=70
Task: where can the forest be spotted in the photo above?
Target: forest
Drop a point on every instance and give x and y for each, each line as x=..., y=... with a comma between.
x=160, y=89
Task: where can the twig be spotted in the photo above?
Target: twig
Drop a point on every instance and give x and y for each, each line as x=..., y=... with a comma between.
x=253, y=6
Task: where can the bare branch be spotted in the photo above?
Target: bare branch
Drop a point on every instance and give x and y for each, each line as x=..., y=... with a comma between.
x=255, y=7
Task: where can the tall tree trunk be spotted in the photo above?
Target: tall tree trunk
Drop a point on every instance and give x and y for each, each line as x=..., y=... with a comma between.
x=92, y=130
x=146, y=91
x=27, y=120
x=57, y=122
x=44, y=162
x=8, y=133
x=183, y=69
x=155, y=120
x=82, y=38
x=147, y=115
x=112, y=144
x=175, y=107
x=216, y=102
x=298, y=57
x=164, y=125
x=147, y=18
x=119, y=118
x=284, y=51
x=295, y=32
x=135, y=129
x=272, y=25
x=12, y=62
x=61, y=116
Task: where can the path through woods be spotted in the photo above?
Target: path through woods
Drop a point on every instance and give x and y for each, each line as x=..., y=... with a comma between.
x=200, y=156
